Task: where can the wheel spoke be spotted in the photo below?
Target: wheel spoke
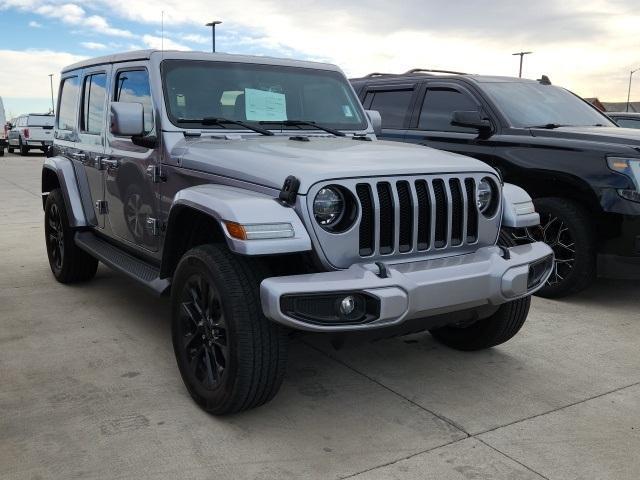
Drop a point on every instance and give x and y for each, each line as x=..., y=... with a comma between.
x=210, y=364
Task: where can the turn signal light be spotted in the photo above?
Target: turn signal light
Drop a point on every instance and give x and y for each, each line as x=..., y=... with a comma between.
x=259, y=231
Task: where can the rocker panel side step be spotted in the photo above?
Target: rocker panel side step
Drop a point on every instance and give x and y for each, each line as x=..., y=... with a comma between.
x=115, y=258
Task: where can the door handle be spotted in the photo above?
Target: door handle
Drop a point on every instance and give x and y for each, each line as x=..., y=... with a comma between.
x=108, y=163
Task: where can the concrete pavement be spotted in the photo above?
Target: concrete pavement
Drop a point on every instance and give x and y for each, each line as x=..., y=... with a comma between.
x=89, y=388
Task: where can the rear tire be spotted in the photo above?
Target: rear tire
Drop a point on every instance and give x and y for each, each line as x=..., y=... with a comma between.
x=69, y=264
x=1, y=151
x=24, y=149
x=489, y=332
x=230, y=356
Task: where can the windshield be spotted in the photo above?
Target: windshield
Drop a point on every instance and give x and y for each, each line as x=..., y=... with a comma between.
x=40, y=120
x=533, y=104
x=196, y=90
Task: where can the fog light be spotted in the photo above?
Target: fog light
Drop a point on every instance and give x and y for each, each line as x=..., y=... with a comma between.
x=347, y=305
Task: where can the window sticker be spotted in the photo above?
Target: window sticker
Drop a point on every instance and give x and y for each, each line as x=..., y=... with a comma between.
x=346, y=109
x=180, y=100
x=263, y=105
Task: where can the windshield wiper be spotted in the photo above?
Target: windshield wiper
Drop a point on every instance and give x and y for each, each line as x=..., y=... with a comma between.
x=298, y=123
x=548, y=126
x=222, y=121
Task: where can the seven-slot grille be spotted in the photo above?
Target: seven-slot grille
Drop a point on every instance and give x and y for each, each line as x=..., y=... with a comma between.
x=400, y=216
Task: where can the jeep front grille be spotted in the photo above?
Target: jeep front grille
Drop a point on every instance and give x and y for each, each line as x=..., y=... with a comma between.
x=440, y=211
x=413, y=216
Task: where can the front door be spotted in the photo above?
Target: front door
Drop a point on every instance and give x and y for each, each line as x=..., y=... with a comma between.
x=130, y=192
x=431, y=125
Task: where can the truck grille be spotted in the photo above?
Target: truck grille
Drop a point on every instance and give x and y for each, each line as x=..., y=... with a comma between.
x=418, y=215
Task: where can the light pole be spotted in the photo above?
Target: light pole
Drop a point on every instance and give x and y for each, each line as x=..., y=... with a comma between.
x=213, y=33
x=629, y=93
x=52, y=104
x=522, y=54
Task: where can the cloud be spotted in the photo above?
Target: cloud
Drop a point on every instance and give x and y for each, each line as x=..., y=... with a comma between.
x=34, y=67
x=34, y=24
x=93, y=45
x=195, y=38
x=152, y=41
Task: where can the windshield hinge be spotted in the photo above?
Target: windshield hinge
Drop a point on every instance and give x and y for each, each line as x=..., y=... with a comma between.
x=289, y=191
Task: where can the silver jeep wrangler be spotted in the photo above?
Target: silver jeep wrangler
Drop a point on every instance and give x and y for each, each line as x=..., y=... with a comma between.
x=253, y=191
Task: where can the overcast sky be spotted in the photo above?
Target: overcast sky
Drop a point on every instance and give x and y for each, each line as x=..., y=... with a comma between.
x=588, y=46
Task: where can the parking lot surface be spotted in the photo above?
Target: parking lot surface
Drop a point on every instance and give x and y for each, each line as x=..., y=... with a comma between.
x=89, y=387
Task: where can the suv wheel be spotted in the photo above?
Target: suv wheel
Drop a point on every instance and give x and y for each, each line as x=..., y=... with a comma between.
x=68, y=263
x=24, y=149
x=565, y=226
x=230, y=356
x=491, y=331
x=9, y=149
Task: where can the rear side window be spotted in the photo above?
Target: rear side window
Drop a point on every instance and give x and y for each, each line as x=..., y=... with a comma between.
x=393, y=106
x=628, y=122
x=68, y=103
x=93, y=103
x=438, y=107
x=133, y=86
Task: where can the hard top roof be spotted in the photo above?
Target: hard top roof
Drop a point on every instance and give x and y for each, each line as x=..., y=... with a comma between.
x=624, y=114
x=180, y=55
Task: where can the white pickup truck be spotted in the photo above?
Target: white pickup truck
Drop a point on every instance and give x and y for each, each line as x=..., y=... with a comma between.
x=3, y=129
x=31, y=131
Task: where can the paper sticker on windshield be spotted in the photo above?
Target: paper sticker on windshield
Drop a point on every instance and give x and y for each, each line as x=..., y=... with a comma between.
x=346, y=109
x=263, y=105
x=180, y=100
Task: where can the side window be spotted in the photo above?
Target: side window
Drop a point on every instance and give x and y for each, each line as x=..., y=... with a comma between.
x=94, y=94
x=133, y=86
x=628, y=123
x=438, y=106
x=68, y=103
x=393, y=106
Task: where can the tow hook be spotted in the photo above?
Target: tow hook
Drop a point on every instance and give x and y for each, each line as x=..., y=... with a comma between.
x=383, y=272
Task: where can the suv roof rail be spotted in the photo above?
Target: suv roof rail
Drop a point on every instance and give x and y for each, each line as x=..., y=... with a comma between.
x=426, y=70
x=377, y=74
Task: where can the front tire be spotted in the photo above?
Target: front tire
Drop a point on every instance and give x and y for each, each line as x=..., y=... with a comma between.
x=231, y=358
x=566, y=227
x=69, y=264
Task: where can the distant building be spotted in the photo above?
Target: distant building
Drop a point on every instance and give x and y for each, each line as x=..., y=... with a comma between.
x=614, y=106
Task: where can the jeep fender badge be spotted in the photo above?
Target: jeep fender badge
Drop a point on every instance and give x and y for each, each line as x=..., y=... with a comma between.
x=289, y=190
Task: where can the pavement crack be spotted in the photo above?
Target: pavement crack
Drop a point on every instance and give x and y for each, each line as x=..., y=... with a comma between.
x=569, y=405
x=389, y=389
x=511, y=458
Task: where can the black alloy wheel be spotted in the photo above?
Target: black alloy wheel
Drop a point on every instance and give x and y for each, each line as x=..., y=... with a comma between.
x=203, y=330
x=55, y=238
x=555, y=233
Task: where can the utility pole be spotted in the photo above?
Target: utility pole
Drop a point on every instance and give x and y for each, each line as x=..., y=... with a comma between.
x=213, y=33
x=52, y=103
x=521, y=54
x=629, y=93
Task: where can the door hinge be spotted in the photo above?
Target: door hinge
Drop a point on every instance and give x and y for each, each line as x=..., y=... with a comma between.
x=102, y=207
x=156, y=174
x=155, y=226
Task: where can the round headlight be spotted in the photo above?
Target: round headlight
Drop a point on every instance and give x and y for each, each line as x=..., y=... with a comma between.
x=329, y=206
x=484, y=195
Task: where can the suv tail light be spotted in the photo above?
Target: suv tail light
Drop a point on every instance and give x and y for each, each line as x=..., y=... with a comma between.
x=25, y=132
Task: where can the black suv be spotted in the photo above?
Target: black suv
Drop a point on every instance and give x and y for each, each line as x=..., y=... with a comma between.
x=582, y=170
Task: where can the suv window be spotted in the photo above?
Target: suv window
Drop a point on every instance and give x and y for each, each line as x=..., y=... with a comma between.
x=628, y=122
x=93, y=100
x=438, y=106
x=68, y=102
x=133, y=86
x=392, y=105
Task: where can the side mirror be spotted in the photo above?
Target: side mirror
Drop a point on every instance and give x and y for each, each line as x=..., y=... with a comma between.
x=471, y=119
x=127, y=119
x=376, y=121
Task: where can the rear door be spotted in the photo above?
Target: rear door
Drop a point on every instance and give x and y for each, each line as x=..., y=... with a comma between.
x=395, y=104
x=92, y=135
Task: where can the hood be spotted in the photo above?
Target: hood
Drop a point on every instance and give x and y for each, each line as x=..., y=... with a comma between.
x=617, y=135
x=269, y=160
